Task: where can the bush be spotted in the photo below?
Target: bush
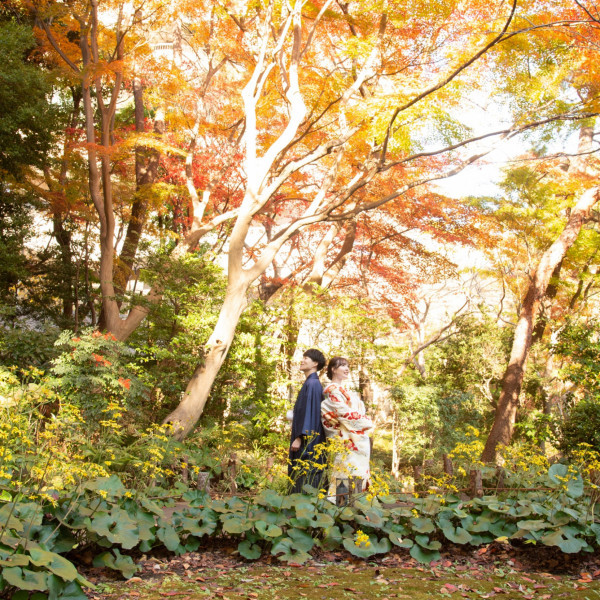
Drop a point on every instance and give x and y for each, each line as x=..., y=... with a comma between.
x=582, y=426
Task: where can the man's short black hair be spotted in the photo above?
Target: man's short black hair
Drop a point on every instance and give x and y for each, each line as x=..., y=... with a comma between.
x=317, y=356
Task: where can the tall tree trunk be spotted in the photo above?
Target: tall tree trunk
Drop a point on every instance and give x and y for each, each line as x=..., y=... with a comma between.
x=551, y=291
x=365, y=387
x=186, y=415
x=506, y=411
x=146, y=169
x=63, y=238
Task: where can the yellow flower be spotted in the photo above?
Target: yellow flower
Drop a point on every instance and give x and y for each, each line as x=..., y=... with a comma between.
x=361, y=538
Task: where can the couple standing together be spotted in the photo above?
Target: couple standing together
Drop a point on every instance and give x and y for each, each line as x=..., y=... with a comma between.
x=320, y=414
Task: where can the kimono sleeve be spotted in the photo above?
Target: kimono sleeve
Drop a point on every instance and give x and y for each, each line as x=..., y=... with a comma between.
x=337, y=414
x=311, y=421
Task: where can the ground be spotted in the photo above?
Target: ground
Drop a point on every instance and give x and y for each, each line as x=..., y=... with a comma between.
x=525, y=573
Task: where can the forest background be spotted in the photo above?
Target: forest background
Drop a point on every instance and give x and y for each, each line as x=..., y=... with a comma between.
x=195, y=192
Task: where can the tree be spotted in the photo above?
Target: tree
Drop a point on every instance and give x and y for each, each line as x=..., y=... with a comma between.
x=27, y=127
x=504, y=420
x=27, y=119
x=335, y=99
x=348, y=161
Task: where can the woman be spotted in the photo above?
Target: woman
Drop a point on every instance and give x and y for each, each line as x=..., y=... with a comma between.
x=343, y=415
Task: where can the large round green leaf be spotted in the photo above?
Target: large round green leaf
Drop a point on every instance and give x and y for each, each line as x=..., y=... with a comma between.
x=64, y=590
x=287, y=550
x=375, y=546
x=559, y=475
x=501, y=528
x=268, y=530
x=53, y=562
x=117, y=526
x=25, y=579
x=424, y=542
x=111, y=485
x=269, y=498
x=236, y=524
x=371, y=518
x=572, y=545
x=13, y=560
x=423, y=555
x=117, y=561
x=533, y=524
x=332, y=538
x=398, y=540
x=457, y=535
x=422, y=525
x=301, y=539
x=197, y=526
x=249, y=550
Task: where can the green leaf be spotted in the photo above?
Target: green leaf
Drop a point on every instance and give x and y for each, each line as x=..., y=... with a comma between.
x=371, y=518
x=286, y=551
x=266, y=530
x=198, y=527
x=229, y=506
x=559, y=475
x=151, y=506
x=9, y=520
x=556, y=472
x=422, y=525
x=302, y=540
x=332, y=538
x=168, y=536
x=533, y=525
x=595, y=528
x=53, y=562
x=347, y=514
x=145, y=523
x=424, y=556
x=13, y=560
x=553, y=538
x=249, y=550
x=111, y=485
x=269, y=498
x=64, y=590
x=116, y=526
x=236, y=524
x=575, y=487
x=398, y=540
x=31, y=513
x=457, y=535
x=196, y=497
x=401, y=511
x=305, y=510
x=375, y=546
x=118, y=562
x=572, y=545
x=322, y=521
x=423, y=541
x=501, y=528
x=25, y=579
x=567, y=543
x=476, y=523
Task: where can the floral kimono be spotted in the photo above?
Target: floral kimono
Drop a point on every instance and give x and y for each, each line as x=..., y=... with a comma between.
x=343, y=415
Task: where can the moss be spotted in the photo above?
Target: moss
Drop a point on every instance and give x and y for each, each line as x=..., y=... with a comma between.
x=347, y=580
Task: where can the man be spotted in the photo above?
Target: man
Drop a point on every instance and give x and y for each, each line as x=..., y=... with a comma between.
x=307, y=429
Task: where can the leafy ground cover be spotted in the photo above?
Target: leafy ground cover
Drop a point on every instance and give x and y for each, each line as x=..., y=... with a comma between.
x=497, y=571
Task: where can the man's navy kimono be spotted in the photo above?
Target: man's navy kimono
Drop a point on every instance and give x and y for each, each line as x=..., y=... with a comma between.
x=306, y=424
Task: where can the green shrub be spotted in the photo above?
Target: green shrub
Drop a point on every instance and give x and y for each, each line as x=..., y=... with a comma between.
x=582, y=426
